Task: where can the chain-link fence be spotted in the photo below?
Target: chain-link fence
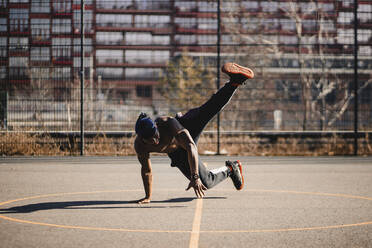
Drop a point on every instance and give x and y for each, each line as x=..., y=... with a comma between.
x=311, y=93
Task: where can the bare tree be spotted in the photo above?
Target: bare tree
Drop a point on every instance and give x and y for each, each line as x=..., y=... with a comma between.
x=186, y=83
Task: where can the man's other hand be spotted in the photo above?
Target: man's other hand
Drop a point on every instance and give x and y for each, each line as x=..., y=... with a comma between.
x=198, y=187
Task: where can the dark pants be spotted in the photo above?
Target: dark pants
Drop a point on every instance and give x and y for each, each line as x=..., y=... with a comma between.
x=195, y=121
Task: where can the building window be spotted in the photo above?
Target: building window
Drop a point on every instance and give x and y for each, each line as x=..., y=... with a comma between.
x=2, y=72
x=3, y=47
x=110, y=20
x=61, y=48
x=228, y=6
x=40, y=73
x=18, y=20
x=185, y=5
x=345, y=17
x=40, y=54
x=270, y=7
x=250, y=5
x=153, y=21
x=18, y=67
x=88, y=47
x=250, y=23
x=205, y=6
x=109, y=38
x=3, y=3
x=110, y=73
x=18, y=44
x=207, y=39
x=40, y=6
x=3, y=25
x=184, y=39
x=309, y=25
x=207, y=23
x=144, y=91
x=150, y=5
x=62, y=6
x=87, y=63
x=185, y=22
x=88, y=21
x=104, y=4
x=160, y=40
x=288, y=24
x=142, y=73
x=40, y=29
x=61, y=73
x=146, y=56
x=110, y=56
x=138, y=38
x=288, y=39
x=87, y=2
x=61, y=26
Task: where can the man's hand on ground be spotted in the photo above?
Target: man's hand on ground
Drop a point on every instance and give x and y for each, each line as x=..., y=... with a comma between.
x=198, y=187
x=144, y=201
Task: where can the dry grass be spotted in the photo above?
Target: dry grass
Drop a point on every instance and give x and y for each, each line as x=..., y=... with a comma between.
x=12, y=144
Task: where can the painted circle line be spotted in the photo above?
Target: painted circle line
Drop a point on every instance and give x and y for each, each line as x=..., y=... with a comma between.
x=187, y=231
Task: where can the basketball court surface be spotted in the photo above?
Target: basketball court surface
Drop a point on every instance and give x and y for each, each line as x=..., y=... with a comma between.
x=90, y=202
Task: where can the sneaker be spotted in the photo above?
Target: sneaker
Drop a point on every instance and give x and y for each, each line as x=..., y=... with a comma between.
x=236, y=173
x=237, y=73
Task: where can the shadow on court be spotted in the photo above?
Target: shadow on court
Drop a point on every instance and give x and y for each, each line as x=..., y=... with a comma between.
x=97, y=205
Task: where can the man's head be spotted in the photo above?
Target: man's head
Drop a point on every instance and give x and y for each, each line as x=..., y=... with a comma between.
x=146, y=129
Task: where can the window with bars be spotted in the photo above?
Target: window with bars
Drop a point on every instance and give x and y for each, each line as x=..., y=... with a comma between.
x=62, y=6
x=18, y=20
x=38, y=73
x=40, y=6
x=110, y=56
x=88, y=47
x=18, y=44
x=40, y=29
x=146, y=56
x=144, y=91
x=40, y=54
x=61, y=26
x=61, y=73
x=88, y=21
x=111, y=20
x=3, y=72
x=3, y=25
x=3, y=3
x=61, y=48
x=18, y=68
x=109, y=38
x=3, y=47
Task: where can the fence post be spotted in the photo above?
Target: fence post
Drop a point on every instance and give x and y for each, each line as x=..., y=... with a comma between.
x=218, y=69
x=3, y=109
x=81, y=77
x=356, y=101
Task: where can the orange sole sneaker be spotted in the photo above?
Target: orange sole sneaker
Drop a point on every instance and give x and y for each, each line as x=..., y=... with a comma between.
x=232, y=69
x=241, y=173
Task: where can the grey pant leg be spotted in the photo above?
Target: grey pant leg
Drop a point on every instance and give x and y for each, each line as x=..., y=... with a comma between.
x=209, y=178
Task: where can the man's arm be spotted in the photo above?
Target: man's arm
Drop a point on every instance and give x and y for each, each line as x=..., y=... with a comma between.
x=185, y=140
x=146, y=173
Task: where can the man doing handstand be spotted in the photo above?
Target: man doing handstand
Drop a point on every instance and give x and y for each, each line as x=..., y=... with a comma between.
x=178, y=136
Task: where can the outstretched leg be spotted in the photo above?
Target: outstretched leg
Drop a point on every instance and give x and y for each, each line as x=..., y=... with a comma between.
x=196, y=119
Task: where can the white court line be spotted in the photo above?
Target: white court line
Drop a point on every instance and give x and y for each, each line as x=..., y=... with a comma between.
x=195, y=232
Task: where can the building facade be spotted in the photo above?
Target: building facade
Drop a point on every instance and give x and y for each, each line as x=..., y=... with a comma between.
x=129, y=42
